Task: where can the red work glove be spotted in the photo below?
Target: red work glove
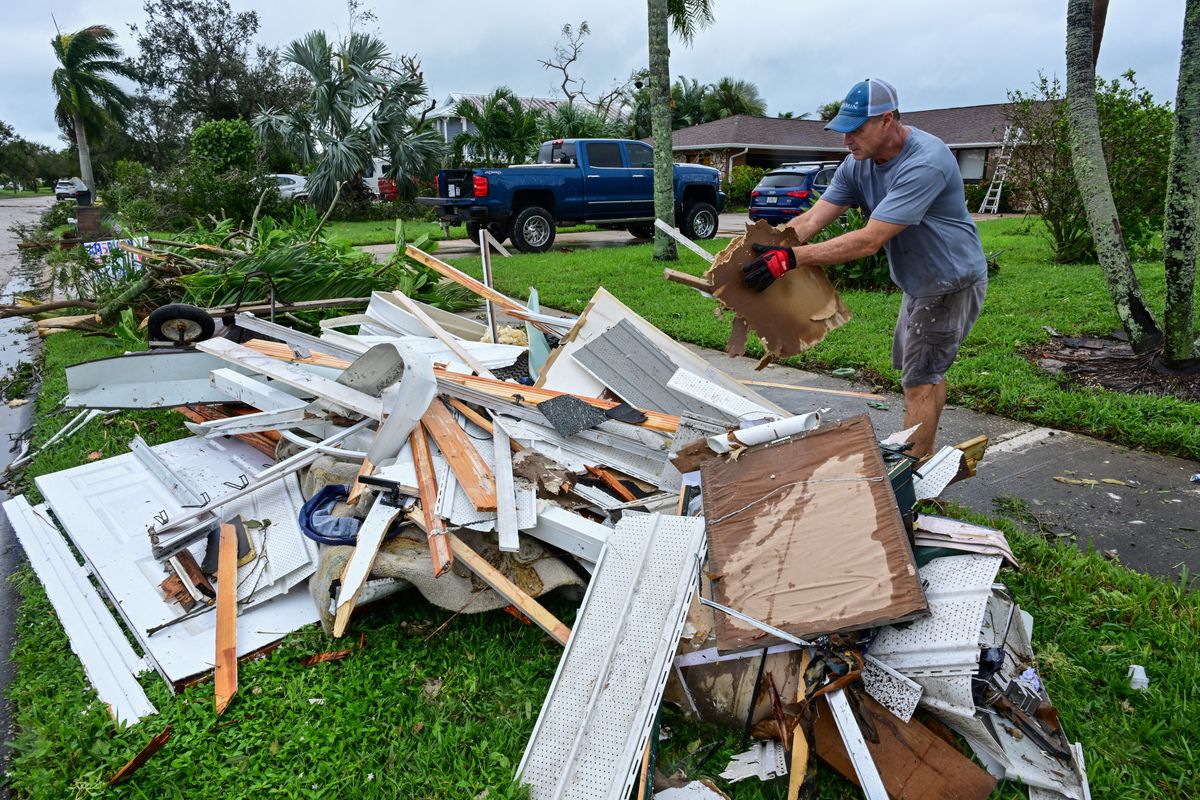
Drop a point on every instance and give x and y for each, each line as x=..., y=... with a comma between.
x=771, y=263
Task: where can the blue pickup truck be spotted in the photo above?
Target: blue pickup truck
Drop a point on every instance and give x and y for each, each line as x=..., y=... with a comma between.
x=606, y=182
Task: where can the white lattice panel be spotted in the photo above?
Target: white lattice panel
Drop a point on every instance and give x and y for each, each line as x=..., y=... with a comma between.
x=597, y=714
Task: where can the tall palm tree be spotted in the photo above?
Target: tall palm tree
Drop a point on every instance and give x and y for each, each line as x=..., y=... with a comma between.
x=689, y=98
x=731, y=96
x=505, y=132
x=361, y=106
x=87, y=100
x=687, y=17
x=578, y=122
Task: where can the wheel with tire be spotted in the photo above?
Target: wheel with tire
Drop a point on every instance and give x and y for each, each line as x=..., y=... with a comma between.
x=499, y=231
x=642, y=230
x=533, y=230
x=699, y=221
x=180, y=323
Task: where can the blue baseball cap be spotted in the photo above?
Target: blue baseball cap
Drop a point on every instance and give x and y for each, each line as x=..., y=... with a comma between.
x=866, y=99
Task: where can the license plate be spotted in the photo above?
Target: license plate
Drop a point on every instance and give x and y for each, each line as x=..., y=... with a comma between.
x=772, y=200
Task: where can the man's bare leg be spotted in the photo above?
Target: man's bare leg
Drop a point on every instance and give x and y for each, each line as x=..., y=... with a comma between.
x=924, y=404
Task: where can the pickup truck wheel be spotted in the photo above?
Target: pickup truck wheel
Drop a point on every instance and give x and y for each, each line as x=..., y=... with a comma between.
x=699, y=221
x=499, y=231
x=533, y=230
x=643, y=230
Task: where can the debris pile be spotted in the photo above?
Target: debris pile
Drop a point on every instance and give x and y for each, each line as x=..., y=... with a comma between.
x=753, y=566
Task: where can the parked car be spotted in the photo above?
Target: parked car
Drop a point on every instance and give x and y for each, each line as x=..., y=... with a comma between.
x=69, y=188
x=291, y=186
x=377, y=180
x=606, y=182
x=790, y=190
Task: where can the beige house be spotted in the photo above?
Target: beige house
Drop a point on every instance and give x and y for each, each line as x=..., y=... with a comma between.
x=973, y=133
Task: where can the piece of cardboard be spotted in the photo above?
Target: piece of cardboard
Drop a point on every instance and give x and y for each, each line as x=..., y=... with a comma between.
x=805, y=535
x=793, y=313
x=913, y=762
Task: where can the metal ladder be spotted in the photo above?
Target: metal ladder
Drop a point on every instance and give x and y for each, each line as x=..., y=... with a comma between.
x=991, y=200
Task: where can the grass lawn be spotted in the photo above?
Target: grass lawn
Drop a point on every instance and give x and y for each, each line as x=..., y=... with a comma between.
x=384, y=231
x=990, y=374
x=5, y=193
x=450, y=717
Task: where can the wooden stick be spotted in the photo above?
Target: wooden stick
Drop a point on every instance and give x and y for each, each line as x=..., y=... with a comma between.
x=443, y=336
x=435, y=528
x=283, y=352
x=463, y=279
x=675, y=234
x=691, y=281
x=135, y=763
x=225, y=675
x=208, y=248
x=509, y=590
x=656, y=421
x=41, y=308
x=842, y=392
x=799, y=765
x=610, y=480
x=472, y=472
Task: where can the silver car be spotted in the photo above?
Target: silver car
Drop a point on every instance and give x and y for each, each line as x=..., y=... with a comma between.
x=291, y=186
x=69, y=188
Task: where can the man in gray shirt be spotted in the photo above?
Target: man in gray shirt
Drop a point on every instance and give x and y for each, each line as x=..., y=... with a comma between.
x=908, y=183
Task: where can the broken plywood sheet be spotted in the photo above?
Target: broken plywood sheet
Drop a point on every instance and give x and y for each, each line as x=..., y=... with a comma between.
x=806, y=536
x=795, y=312
x=914, y=763
x=603, y=311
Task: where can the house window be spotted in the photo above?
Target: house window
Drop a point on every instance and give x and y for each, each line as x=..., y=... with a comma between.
x=971, y=164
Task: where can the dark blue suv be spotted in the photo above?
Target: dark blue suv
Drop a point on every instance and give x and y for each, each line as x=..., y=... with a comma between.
x=789, y=190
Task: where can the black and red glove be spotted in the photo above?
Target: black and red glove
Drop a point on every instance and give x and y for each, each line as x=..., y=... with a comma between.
x=771, y=263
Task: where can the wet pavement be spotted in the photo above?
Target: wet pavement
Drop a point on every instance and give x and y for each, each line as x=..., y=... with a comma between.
x=16, y=346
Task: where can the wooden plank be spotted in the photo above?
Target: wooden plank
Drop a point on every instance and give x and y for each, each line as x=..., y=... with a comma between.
x=435, y=528
x=358, y=567
x=509, y=590
x=608, y=479
x=472, y=472
x=225, y=675
x=463, y=279
x=506, y=498
x=442, y=335
x=294, y=376
x=282, y=352
x=135, y=763
x=515, y=393
x=842, y=392
x=798, y=769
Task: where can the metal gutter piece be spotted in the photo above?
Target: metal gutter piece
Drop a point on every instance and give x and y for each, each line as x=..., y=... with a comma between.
x=108, y=660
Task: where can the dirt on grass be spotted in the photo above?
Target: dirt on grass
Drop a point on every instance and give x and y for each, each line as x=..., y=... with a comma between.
x=1108, y=362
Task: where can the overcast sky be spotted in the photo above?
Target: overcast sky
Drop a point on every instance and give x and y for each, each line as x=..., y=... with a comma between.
x=803, y=53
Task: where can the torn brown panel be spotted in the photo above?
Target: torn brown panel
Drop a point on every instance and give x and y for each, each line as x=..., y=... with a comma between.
x=146, y=753
x=914, y=763
x=795, y=312
x=737, y=337
x=806, y=536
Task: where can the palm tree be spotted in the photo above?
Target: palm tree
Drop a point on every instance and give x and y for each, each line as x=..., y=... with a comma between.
x=362, y=105
x=504, y=131
x=731, y=96
x=577, y=122
x=690, y=101
x=87, y=100
x=687, y=17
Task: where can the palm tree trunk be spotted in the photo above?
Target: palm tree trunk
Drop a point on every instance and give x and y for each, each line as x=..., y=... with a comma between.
x=85, y=157
x=660, y=128
x=1091, y=175
x=1180, y=235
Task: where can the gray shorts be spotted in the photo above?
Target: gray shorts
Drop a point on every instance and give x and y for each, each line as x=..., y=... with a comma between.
x=929, y=331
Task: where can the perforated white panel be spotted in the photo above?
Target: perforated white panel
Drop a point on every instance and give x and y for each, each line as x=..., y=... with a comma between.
x=946, y=642
x=937, y=473
x=596, y=717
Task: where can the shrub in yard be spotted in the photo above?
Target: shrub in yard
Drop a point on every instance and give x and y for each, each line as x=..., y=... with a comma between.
x=1136, y=132
x=976, y=192
x=742, y=183
x=870, y=273
x=227, y=144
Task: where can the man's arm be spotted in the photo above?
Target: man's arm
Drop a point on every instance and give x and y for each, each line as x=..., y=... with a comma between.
x=848, y=246
x=811, y=222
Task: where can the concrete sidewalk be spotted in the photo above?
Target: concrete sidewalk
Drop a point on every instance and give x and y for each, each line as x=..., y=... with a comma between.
x=728, y=225
x=1152, y=524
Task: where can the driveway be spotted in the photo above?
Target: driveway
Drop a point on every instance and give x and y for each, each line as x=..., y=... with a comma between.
x=728, y=225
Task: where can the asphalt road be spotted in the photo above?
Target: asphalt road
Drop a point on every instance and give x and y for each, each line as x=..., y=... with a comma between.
x=14, y=348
